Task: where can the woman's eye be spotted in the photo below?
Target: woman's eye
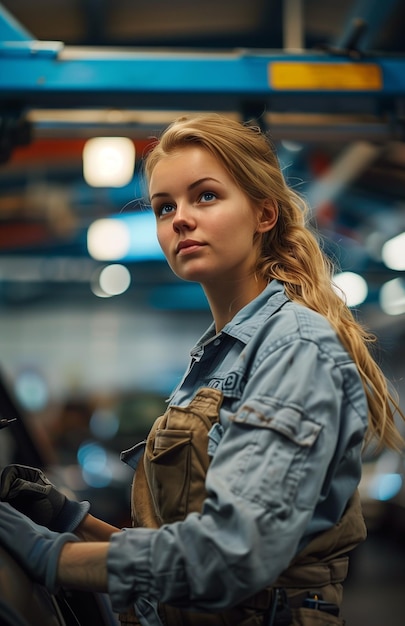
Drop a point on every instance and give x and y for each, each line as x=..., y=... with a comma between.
x=165, y=209
x=208, y=196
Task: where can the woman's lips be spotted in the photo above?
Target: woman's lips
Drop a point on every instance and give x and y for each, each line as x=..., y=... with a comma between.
x=188, y=247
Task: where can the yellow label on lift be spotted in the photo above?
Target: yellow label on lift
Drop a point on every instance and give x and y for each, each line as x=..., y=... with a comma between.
x=332, y=76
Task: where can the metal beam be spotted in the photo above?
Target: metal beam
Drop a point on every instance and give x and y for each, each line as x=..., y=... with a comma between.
x=11, y=29
x=347, y=167
x=38, y=74
x=293, y=31
x=374, y=14
x=47, y=75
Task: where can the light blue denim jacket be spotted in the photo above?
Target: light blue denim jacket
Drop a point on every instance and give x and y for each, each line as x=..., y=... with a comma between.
x=286, y=459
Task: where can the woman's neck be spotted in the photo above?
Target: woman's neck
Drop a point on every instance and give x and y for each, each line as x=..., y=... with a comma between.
x=226, y=300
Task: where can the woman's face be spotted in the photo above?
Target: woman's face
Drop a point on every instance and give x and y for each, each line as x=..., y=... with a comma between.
x=205, y=224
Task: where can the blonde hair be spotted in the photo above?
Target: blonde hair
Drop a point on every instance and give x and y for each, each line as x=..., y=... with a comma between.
x=290, y=252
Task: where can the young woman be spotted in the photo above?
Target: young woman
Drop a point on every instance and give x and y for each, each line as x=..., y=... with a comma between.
x=245, y=495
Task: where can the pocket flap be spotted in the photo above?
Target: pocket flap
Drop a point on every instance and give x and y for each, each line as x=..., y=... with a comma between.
x=286, y=421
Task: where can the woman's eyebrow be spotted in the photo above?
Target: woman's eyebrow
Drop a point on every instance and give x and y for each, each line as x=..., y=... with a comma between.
x=161, y=194
x=202, y=180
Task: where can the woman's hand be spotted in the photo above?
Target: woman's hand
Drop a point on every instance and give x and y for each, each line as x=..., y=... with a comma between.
x=29, y=491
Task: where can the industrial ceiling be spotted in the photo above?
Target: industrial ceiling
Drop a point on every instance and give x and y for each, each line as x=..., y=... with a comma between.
x=72, y=69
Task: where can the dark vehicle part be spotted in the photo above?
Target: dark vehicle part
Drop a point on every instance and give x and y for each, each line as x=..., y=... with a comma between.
x=22, y=601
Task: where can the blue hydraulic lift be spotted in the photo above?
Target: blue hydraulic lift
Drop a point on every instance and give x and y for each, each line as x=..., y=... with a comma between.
x=41, y=74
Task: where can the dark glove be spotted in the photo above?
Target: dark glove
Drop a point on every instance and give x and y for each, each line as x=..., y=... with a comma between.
x=28, y=490
x=36, y=548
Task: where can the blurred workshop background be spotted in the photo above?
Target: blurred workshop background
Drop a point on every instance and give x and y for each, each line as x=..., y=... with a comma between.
x=94, y=328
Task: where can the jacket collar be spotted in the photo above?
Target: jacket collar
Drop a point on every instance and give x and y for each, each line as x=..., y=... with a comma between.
x=250, y=318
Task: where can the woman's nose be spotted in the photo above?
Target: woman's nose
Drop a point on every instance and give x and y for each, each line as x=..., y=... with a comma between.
x=183, y=217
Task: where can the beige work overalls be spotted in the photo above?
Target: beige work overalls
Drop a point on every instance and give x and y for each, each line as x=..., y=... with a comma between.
x=169, y=483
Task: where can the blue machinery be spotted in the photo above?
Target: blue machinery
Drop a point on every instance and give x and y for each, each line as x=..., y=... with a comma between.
x=36, y=74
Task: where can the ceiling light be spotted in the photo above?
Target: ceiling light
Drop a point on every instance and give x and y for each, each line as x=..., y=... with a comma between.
x=351, y=287
x=108, y=161
x=393, y=252
x=129, y=237
x=108, y=239
x=392, y=297
x=114, y=279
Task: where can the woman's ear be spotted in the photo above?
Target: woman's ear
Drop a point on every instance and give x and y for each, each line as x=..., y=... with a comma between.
x=268, y=217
